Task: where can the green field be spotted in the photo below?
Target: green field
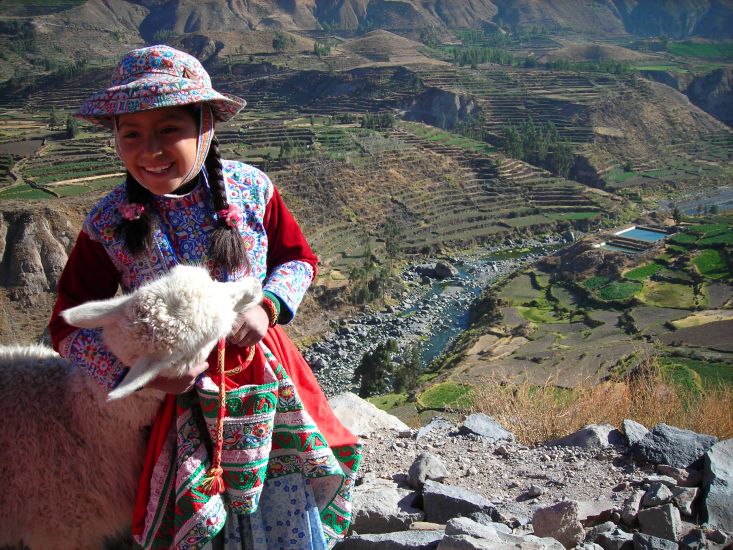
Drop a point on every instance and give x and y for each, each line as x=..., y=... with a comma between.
x=642, y=272
x=618, y=290
x=716, y=51
x=662, y=294
x=711, y=264
x=709, y=374
x=445, y=395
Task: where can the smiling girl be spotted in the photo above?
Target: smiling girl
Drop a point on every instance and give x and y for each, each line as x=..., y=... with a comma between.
x=278, y=452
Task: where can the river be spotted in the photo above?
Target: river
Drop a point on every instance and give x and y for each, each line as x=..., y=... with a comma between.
x=431, y=314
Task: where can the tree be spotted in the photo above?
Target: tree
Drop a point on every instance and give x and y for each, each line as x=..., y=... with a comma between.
x=562, y=159
x=406, y=375
x=677, y=214
x=376, y=369
x=53, y=119
x=282, y=41
x=72, y=128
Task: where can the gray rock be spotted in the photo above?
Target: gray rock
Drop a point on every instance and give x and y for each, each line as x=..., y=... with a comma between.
x=593, y=512
x=534, y=491
x=589, y=546
x=656, y=495
x=402, y=540
x=381, y=506
x=633, y=431
x=486, y=427
x=683, y=477
x=426, y=466
x=718, y=486
x=617, y=539
x=674, y=446
x=693, y=540
x=443, y=502
x=684, y=499
x=649, y=542
x=444, y=270
x=559, y=521
x=598, y=530
x=591, y=437
x=662, y=521
x=438, y=423
x=716, y=535
x=631, y=508
x=466, y=526
x=361, y=417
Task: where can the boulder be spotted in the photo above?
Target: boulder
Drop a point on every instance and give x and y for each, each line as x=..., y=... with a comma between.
x=633, y=431
x=617, y=539
x=438, y=423
x=426, y=466
x=401, y=540
x=674, y=446
x=466, y=534
x=684, y=477
x=656, y=495
x=361, y=417
x=661, y=521
x=591, y=437
x=693, y=540
x=593, y=512
x=381, y=506
x=684, y=499
x=649, y=542
x=718, y=486
x=559, y=521
x=444, y=270
x=443, y=502
x=631, y=508
x=486, y=427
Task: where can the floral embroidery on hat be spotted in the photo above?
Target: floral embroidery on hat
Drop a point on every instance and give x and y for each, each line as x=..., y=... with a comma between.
x=153, y=77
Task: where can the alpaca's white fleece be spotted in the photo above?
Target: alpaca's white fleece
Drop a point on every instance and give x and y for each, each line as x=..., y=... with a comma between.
x=70, y=458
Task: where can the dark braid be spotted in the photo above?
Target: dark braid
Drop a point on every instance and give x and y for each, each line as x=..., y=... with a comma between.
x=138, y=234
x=227, y=247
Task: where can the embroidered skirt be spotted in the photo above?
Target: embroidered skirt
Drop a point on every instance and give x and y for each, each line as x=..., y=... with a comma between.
x=289, y=464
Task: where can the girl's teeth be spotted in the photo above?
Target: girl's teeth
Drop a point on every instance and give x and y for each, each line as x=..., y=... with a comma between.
x=159, y=169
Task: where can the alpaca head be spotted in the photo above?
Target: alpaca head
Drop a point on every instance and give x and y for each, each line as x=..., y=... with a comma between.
x=170, y=324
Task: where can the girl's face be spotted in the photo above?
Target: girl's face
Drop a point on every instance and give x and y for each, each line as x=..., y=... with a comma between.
x=158, y=147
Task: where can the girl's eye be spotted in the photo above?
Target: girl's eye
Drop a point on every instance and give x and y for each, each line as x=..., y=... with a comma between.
x=129, y=135
x=169, y=129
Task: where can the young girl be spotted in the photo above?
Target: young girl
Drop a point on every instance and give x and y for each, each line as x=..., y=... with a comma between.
x=267, y=465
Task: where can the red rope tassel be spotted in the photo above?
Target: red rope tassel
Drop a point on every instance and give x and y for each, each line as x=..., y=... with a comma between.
x=213, y=482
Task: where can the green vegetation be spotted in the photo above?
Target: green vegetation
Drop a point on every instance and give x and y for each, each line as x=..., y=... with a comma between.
x=711, y=264
x=642, y=272
x=597, y=281
x=446, y=395
x=540, y=145
x=715, y=51
x=662, y=294
x=619, y=291
x=710, y=373
x=375, y=370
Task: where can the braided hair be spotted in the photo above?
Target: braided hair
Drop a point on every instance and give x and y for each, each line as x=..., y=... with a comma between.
x=227, y=247
x=138, y=233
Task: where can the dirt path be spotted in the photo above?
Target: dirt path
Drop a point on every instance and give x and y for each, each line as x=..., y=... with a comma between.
x=87, y=178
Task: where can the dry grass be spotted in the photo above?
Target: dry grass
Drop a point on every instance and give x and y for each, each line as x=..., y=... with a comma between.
x=538, y=414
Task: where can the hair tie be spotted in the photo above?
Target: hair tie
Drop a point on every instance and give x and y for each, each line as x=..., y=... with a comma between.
x=131, y=211
x=231, y=215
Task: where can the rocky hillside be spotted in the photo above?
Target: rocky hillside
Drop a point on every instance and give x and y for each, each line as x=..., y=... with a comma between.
x=471, y=485
x=34, y=244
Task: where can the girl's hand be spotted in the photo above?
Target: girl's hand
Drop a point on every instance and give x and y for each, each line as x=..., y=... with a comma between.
x=250, y=327
x=177, y=385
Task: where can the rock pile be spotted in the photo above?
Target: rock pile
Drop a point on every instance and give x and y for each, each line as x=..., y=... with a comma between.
x=472, y=486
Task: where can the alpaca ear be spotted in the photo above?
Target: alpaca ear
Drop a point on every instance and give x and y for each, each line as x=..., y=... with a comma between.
x=247, y=292
x=143, y=371
x=95, y=314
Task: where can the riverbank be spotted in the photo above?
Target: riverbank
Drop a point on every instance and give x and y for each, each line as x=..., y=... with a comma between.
x=431, y=314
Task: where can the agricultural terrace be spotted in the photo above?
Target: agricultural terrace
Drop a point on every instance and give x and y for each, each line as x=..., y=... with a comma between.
x=673, y=303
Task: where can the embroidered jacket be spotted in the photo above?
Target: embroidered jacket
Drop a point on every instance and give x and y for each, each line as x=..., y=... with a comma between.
x=100, y=262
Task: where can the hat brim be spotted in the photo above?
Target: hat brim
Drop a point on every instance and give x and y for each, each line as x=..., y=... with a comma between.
x=154, y=93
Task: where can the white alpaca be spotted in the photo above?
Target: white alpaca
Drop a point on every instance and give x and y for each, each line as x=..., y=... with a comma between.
x=70, y=459
x=166, y=326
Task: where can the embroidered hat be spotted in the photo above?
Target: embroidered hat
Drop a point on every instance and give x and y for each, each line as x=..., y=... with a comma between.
x=153, y=77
